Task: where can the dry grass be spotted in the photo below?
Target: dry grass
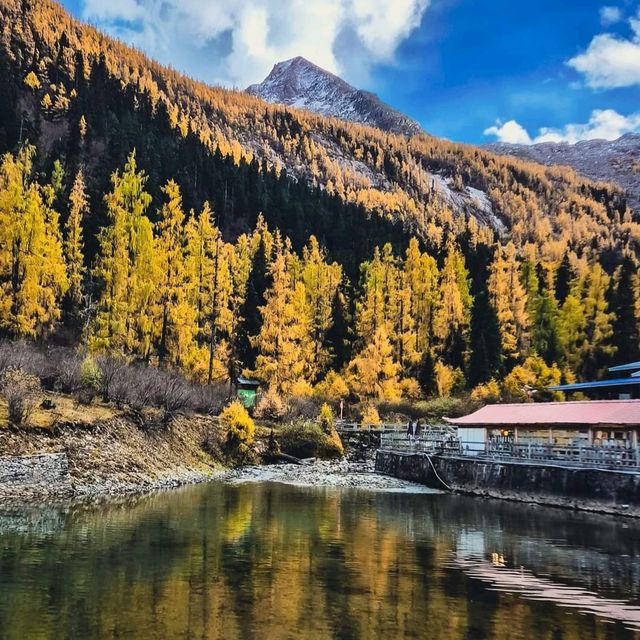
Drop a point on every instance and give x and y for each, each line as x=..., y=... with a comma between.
x=66, y=410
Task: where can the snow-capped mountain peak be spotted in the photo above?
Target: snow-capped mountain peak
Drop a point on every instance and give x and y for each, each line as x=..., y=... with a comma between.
x=302, y=84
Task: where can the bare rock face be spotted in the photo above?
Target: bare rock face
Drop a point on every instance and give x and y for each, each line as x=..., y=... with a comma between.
x=616, y=161
x=302, y=84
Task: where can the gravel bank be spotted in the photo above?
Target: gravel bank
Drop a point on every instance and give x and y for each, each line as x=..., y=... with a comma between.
x=325, y=474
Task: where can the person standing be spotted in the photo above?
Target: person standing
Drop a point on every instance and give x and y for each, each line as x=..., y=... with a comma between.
x=412, y=430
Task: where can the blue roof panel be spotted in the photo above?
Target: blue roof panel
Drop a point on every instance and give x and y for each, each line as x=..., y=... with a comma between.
x=578, y=386
x=630, y=366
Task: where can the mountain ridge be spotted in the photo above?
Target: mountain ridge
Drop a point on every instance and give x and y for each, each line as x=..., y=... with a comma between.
x=92, y=99
x=299, y=83
x=616, y=161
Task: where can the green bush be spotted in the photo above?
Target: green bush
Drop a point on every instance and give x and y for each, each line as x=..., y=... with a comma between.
x=90, y=374
x=90, y=378
x=308, y=440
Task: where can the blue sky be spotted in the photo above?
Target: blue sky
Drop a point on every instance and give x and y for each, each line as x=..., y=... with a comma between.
x=466, y=70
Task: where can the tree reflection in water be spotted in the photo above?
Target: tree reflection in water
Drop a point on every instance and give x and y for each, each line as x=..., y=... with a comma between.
x=271, y=561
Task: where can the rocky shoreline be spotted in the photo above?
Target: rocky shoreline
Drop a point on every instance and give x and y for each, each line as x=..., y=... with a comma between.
x=117, y=456
x=109, y=457
x=341, y=474
x=47, y=479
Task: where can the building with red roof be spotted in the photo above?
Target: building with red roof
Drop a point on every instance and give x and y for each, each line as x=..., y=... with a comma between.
x=606, y=423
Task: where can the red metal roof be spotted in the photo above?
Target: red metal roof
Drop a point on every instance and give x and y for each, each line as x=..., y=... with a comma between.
x=587, y=412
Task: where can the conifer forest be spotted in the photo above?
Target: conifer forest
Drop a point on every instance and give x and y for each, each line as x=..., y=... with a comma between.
x=150, y=217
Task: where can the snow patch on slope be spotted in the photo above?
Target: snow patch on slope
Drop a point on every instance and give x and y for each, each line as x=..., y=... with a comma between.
x=472, y=201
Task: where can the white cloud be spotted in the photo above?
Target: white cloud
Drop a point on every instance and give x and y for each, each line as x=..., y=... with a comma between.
x=610, y=15
x=237, y=42
x=510, y=131
x=604, y=124
x=611, y=61
x=128, y=10
x=383, y=25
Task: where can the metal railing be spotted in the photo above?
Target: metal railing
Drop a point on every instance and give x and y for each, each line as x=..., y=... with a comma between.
x=356, y=427
x=602, y=457
x=397, y=433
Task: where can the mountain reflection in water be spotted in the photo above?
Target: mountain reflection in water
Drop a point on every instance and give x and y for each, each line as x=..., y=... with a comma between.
x=272, y=561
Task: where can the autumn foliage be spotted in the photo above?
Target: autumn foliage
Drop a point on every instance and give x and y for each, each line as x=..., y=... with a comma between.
x=324, y=258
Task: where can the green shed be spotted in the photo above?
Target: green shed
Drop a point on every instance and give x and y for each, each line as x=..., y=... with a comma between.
x=247, y=391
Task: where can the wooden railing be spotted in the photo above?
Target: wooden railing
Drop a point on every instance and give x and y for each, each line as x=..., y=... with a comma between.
x=601, y=457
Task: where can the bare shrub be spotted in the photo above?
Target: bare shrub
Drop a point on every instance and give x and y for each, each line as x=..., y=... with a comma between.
x=67, y=377
x=271, y=406
x=171, y=393
x=209, y=399
x=24, y=356
x=133, y=386
x=137, y=386
x=22, y=391
x=109, y=367
x=302, y=408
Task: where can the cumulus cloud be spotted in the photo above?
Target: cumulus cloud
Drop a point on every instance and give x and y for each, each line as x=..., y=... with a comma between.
x=611, y=61
x=237, y=43
x=610, y=15
x=511, y=131
x=605, y=124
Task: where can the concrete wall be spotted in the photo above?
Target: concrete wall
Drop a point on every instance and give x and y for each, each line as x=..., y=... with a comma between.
x=42, y=474
x=608, y=491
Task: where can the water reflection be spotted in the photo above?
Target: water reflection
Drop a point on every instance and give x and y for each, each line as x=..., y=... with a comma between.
x=271, y=561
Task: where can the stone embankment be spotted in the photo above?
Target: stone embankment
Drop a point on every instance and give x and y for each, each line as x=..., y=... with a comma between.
x=549, y=484
x=35, y=476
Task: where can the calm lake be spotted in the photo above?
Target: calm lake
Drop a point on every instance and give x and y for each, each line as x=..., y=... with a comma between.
x=273, y=561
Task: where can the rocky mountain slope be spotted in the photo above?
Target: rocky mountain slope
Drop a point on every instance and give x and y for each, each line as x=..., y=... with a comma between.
x=90, y=99
x=616, y=161
x=300, y=83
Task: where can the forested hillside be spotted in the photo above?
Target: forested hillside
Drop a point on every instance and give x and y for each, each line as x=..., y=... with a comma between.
x=162, y=220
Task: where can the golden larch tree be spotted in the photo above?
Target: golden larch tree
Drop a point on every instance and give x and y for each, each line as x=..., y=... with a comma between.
x=283, y=343
x=74, y=244
x=175, y=321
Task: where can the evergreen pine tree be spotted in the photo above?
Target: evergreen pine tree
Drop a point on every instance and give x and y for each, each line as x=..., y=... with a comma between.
x=564, y=277
x=485, y=361
x=251, y=320
x=626, y=328
x=338, y=336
